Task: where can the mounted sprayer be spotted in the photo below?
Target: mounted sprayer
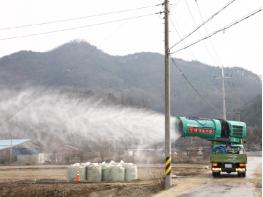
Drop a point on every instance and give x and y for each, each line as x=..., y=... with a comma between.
x=227, y=137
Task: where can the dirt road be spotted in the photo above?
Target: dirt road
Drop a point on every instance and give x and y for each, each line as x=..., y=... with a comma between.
x=225, y=186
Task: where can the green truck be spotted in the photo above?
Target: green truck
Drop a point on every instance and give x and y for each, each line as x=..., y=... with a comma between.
x=227, y=142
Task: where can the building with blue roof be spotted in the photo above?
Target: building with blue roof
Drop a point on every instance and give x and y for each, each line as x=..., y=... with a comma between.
x=20, y=151
x=6, y=144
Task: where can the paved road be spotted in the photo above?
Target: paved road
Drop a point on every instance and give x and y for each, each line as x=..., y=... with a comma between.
x=225, y=186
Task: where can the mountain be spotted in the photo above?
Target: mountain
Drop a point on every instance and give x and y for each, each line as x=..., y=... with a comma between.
x=251, y=113
x=134, y=79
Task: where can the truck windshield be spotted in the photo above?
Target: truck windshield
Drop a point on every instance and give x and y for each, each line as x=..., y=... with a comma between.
x=235, y=149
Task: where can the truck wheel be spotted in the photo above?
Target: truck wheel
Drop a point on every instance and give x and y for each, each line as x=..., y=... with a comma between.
x=216, y=174
x=242, y=174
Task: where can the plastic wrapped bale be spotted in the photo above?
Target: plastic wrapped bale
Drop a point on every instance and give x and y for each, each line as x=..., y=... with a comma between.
x=94, y=172
x=106, y=172
x=117, y=173
x=73, y=169
x=131, y=172
x=85, y=164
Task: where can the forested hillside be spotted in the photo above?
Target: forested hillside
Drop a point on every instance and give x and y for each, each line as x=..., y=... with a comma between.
x=135, y=79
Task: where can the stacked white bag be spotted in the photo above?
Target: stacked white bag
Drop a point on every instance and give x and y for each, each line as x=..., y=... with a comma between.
x=107, y=172
x=93, y=172
x=131, y=172
x=117, y=172
x=73, y=169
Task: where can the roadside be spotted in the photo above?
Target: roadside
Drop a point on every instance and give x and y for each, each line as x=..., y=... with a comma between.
x=192, y=180
x=224, y=186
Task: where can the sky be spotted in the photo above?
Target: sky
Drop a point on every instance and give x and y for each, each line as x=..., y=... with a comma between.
x=240, y=45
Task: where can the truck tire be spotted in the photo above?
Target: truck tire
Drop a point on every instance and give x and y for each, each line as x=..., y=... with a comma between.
x=241, y=174
x=216, y=174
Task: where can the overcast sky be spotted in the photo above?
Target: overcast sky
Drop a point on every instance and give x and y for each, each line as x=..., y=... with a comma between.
x=241, y=45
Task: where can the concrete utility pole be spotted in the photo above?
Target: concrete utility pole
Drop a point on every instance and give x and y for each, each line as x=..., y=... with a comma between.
x=168, y=176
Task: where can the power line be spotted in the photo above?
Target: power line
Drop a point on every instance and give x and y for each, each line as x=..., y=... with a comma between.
x=202, y=24
x=177, y=28
x=192, y=86
x=222, y=66
x=174, y=24
x=184, y=76
x=78, y=27
x=76, y=18
x=194, y=21
x=219, y=30
x=206, y=31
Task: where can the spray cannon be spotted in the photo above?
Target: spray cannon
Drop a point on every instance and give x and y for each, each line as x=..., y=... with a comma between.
x=213, y=129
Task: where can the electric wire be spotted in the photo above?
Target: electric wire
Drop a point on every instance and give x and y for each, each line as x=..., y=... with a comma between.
x=202, y=24
x=219, y=30
x=206, y=31
x=182, y=73
x=192, y=86
x=216, y=58
x=76, y=18
x=77, y=27
x=176, y=28
x=210, y=41
x=194, y=21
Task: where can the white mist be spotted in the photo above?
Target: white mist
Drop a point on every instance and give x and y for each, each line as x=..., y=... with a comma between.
x=54, y=116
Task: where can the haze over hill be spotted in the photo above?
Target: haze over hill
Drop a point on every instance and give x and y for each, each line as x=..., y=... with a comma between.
x=135, y=79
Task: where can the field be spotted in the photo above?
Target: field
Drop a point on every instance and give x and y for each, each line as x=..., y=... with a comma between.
x=189, y=180
x=51, y=181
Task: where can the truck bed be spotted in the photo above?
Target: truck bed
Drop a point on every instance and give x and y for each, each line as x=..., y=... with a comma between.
x=228, y=158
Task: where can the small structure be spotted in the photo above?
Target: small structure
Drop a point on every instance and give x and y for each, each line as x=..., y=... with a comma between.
x=21, y=151
x=66, y=154
x=6, y=149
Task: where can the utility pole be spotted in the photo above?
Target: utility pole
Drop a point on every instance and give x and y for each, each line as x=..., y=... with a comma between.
x=11, y=148
x=239, y=109
x=223, y=90
x=168, y=167
x=223, y=93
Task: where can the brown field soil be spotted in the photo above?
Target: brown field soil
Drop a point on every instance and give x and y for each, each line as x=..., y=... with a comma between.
x=27, y=181
x=79, y=189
